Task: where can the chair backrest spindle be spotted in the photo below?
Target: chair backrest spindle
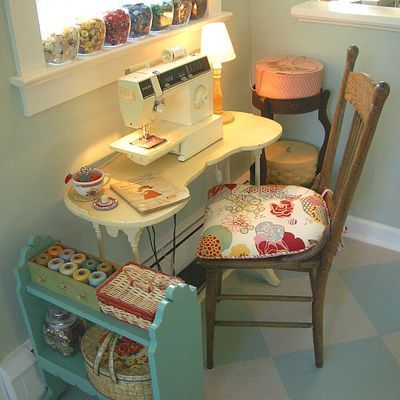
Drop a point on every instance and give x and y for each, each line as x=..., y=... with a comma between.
x=367, y=98
x=329, y=159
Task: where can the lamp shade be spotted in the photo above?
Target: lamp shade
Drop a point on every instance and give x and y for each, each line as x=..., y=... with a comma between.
x=216, y=43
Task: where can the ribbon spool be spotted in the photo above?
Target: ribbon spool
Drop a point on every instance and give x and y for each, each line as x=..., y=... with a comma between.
x=66, y=254
x=81, y=275
x=97, y=278
x=55, y=250
x=55, y=264
x=43, y=259
x=78, y=258
x=68, y=268
x=106, y=267
x=90, y=264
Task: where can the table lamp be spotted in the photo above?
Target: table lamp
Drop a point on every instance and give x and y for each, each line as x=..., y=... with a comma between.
x=217, y=45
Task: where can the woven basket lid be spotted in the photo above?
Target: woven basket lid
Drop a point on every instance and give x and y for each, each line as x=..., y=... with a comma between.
x=130, y=358
x=289, y=155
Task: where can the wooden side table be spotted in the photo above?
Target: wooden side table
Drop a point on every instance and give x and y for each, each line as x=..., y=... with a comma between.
x=269, y=107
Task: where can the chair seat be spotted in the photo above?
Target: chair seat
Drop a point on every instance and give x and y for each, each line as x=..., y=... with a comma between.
x=246, y=221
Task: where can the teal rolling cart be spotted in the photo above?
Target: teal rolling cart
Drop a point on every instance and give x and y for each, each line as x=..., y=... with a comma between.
x=173, y=340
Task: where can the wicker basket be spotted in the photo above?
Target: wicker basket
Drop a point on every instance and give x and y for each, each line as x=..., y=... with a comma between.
x=132, y=294
x=116, y=366
x=291, y=163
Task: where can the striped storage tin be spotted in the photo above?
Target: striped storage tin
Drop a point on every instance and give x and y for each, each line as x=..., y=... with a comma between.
x=288, y=77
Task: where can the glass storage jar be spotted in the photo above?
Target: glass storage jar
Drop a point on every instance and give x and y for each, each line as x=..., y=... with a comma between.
x=199, y=8
x=63, y=330
x=92, y=29
x=118, y=25
x=60, y=37
x=141, y=17
x=182, y=11
x=163, y=14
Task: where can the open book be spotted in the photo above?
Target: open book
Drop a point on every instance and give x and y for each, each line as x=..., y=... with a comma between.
x=150, y=192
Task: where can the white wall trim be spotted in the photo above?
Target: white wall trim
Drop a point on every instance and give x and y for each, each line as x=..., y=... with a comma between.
x=373, y=233
x=348, y=14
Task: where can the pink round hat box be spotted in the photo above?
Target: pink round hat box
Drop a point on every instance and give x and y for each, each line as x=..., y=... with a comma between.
x=288, y=77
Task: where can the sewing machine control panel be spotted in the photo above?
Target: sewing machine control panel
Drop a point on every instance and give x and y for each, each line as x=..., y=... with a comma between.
x=182, y=73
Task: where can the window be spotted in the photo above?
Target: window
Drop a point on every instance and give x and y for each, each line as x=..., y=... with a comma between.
x=375, y=14
x=43, y=86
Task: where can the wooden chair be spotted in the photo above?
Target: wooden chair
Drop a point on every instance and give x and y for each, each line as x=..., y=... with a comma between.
x=367, y=99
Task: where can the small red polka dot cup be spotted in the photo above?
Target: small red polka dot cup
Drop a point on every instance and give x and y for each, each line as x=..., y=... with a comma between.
x=92, y=187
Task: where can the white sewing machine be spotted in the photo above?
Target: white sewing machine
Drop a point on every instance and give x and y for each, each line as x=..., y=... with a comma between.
x=172, y=101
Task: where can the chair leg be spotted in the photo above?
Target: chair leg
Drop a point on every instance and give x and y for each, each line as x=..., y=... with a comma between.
x=320, y=281
x=211, y=304
x=219, y=282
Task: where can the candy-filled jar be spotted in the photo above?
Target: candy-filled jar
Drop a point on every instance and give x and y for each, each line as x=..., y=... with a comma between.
x=60, y=37
x=141, y=18
x=92, y=30
x=199, y=8
x=163, y=14
x=182, y=11
x=118, y=25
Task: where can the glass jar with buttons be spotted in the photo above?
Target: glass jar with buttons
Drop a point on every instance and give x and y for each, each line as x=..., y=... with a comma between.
x=163, y=14
x=60, y=36
x=182, y=11
x=92, y=28
x=199, y=8
x=117, y=22
x=141, y=18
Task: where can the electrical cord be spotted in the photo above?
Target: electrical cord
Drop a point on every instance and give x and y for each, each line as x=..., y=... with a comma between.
x=154, y=247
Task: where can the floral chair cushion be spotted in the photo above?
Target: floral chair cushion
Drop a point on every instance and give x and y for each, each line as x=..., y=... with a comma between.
x=245, y=221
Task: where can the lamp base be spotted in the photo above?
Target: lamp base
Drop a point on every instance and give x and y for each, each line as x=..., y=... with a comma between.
x=227, y=117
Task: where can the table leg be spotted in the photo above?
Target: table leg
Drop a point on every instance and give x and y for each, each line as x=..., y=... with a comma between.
x=100, y=239
x=269, y=274
x=134, y=237
x=257, y=171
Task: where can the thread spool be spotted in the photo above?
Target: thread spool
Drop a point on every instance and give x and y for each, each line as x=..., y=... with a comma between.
x=68, y=268
x=43, y=259
x=81, y=275
x=55, y=264
x=78, y=258
x=90, y=264
x=172, y=54
x=55, y=250
x=66, y=254
x=105, y=267
x=97, y=278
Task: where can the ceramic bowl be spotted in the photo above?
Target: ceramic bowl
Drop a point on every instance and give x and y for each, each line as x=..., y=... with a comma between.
x=92, y=188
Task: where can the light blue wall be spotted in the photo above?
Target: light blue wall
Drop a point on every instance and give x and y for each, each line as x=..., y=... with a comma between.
x=276, y=32
x=37, y=152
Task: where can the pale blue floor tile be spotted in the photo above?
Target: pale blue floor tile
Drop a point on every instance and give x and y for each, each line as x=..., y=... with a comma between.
x=377, y=289
x=358, y=370
x=392, y=342
x=249, y=380
x=233, y=344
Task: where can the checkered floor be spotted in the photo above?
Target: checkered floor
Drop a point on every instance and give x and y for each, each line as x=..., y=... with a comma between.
x=362, y=336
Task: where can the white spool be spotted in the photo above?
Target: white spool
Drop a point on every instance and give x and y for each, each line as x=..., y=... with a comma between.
x=168, y=55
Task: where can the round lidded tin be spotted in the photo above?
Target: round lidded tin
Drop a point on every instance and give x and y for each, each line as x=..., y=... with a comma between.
x=288, y=77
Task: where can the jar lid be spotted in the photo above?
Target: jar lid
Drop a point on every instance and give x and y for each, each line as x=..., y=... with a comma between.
x=291, y=154
x=58, y=318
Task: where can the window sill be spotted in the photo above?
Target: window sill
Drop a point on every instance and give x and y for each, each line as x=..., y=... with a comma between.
x=357, y=15
x=53, y=85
